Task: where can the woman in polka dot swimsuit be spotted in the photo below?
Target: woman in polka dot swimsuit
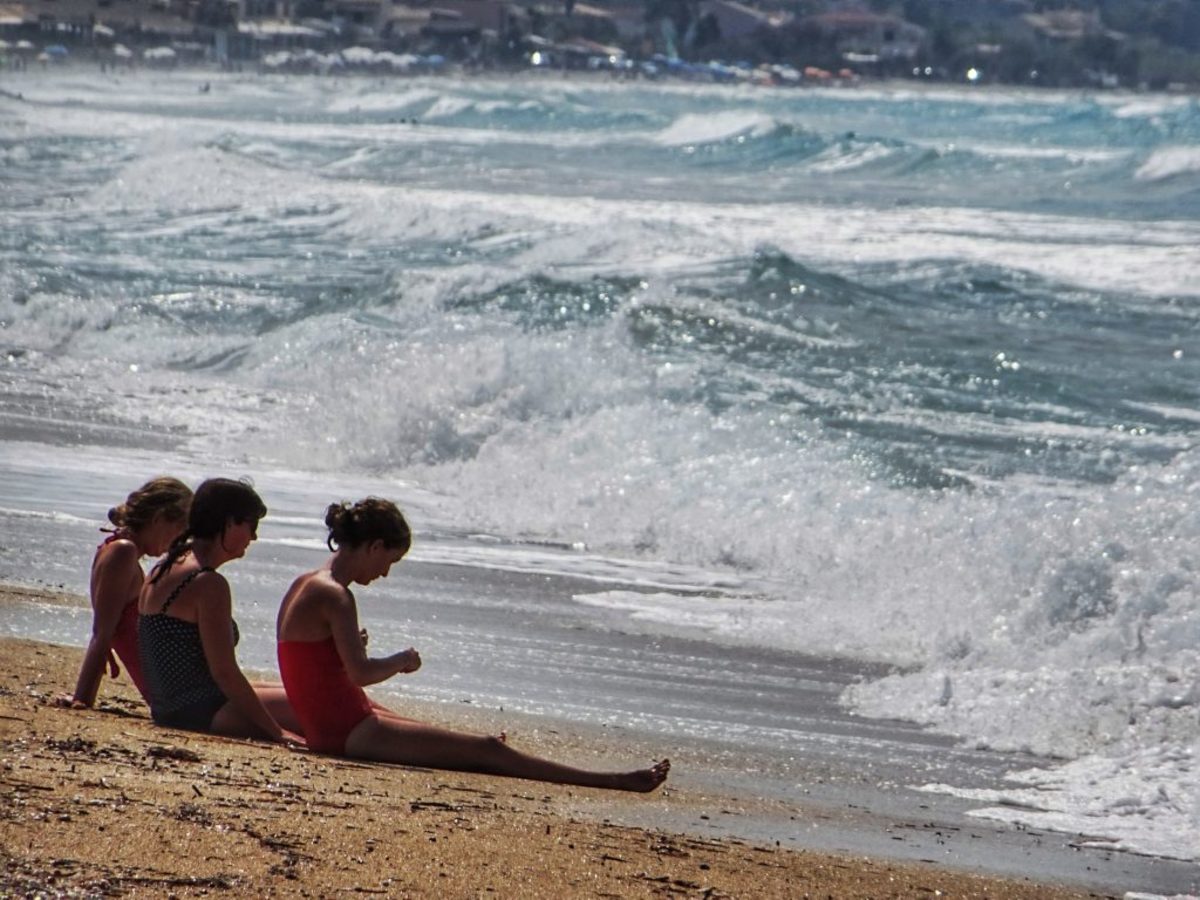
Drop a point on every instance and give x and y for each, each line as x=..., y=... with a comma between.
x=186, y=632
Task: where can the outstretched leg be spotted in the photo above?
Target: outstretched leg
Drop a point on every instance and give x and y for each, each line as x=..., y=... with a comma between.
x=275, y=699
x=416, y=744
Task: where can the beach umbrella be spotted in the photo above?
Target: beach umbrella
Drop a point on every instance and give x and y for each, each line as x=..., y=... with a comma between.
x=56, y=50
x=122, y=51
x=158, y=53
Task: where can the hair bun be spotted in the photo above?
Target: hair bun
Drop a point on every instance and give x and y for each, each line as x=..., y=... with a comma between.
x=371, y=519
x=335, y=513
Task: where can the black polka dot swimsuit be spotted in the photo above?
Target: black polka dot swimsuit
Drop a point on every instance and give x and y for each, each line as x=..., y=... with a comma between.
x=181, y=689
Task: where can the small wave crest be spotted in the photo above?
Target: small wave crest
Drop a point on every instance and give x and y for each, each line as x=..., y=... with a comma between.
x=1167, y=163
x=409, y=101
x=695, y=129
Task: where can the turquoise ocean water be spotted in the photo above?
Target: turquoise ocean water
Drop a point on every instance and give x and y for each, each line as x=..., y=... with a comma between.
x=903, y=377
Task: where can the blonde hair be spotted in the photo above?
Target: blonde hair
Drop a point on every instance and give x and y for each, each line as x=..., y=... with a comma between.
x=162, y=496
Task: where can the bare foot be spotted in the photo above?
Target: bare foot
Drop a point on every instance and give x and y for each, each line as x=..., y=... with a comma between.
x=645, y=780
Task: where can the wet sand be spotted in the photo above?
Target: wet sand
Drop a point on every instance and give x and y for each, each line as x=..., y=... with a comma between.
x=105, y=802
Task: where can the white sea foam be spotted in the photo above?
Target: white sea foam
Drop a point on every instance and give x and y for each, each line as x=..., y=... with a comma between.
x=1072, y=155
x=694, y=128
x=1179, y=413
x=1169, y=162
x=1143, y=799
x=841, y=159
x=1146, y=107
x=445, y=107
x=389, y=102
x=750, y=620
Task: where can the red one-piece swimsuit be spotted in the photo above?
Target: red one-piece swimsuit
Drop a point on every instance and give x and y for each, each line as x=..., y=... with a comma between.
x=124, y=641
x=327, y=703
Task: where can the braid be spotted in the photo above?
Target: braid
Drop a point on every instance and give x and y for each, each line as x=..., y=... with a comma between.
x=178, y=548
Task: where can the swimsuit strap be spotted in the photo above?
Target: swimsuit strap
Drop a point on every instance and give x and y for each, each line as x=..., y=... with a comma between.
x=184, y=582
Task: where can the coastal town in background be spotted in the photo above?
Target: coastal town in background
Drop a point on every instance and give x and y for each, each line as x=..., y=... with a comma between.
x=1104, y=44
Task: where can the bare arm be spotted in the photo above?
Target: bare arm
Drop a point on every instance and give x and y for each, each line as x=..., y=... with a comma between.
x=362, y=669
x=114, y=582
x=214, y=616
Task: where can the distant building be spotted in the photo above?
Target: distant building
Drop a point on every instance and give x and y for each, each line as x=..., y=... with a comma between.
x=628, y=22
x=85, y=22
x=1066, y=24
x=264, y=9
x=482, y=15
x=867, y=35
x=403, y=22
x=981, y=11
x=736, y=20
x=368, y=14
x=12, y=17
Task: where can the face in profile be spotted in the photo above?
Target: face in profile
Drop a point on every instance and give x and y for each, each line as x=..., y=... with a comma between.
x=238, y=536
x=378, y=559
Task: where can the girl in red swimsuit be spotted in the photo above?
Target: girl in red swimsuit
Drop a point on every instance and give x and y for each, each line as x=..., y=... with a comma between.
x=324, y=664
x=144, y=525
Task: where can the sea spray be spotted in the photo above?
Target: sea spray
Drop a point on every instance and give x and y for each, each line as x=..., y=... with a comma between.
x=913, y=371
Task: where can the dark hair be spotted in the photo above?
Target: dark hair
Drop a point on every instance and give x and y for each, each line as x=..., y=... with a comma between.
x=372, y=519
x=216, y=501
x=161, y=496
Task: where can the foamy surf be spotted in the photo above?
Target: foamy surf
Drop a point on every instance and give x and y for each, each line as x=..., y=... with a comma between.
x=847, y=380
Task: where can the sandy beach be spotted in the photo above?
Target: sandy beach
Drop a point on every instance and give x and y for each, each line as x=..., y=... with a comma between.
x=104, y=802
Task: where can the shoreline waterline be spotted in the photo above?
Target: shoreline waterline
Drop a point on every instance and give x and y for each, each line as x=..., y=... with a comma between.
x=138, y=790
x=735, y=795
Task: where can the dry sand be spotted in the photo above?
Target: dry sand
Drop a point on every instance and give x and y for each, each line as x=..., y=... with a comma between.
x=105, y=803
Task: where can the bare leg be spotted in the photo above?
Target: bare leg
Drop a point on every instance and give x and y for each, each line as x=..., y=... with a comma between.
x=230, y=722
x=417, y=744
x=384, y=713
x=274, y=698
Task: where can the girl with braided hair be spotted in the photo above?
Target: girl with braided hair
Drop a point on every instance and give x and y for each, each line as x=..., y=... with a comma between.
x=186, y=630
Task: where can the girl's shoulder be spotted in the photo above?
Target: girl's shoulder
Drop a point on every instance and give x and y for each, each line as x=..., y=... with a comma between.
x=319, y=586
x=118, y=548
x=312, y=607
x=182, y=580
